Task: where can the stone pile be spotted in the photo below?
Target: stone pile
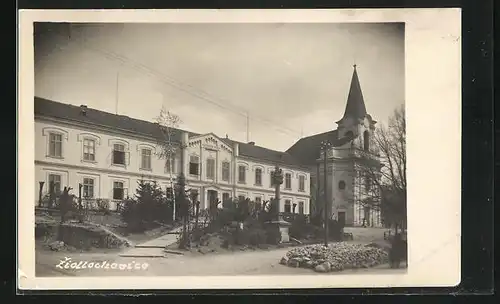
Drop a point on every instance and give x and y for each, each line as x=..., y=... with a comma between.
x=335, y=257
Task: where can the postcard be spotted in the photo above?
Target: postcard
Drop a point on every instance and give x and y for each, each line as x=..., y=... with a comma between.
x=236, y=149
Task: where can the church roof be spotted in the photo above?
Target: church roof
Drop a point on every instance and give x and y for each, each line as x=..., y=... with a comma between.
x=355, y=107
x=68, y=112
x=257, y=152
x=307, y=150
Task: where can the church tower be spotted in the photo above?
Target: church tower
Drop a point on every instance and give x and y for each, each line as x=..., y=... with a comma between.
x=350, y=150
x=356, y=122
x=350, y=185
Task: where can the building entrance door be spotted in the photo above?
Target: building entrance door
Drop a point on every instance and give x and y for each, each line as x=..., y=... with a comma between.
x=367, y=219
x=211, y=197
x=341, y=218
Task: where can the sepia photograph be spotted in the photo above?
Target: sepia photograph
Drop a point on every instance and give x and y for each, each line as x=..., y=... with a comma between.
x=208, y=149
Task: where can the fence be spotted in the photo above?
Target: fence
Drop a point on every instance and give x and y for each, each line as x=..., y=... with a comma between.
x=290, y=217
x=94, y=204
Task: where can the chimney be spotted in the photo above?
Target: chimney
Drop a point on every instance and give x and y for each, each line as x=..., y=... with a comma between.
x=252, y=143
x=83, y=110
x=236, y=149
x=185, y=138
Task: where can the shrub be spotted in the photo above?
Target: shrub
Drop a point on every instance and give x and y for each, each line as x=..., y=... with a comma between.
x=147, y=208
x=257, y=236
x=241, y=236
x=254, y=216
x=103, y=206
x=197, y=234
x=299, y=228
x=130, y=215
x=335, y=230
x=273, y=234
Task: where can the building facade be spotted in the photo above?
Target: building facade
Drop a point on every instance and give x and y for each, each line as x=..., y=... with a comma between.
x=351, y=156
x=109, y=154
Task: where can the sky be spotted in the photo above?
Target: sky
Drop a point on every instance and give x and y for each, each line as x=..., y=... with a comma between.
x=290, y=80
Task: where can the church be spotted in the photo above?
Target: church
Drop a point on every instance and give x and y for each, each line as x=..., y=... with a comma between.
x=347, y=149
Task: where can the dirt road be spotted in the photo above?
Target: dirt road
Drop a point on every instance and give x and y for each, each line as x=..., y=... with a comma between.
x=238, y=263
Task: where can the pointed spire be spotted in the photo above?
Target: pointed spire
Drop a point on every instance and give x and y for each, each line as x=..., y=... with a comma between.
x=355, y=106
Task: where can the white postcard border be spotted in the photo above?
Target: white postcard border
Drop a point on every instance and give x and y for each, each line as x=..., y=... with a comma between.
x=433, y=108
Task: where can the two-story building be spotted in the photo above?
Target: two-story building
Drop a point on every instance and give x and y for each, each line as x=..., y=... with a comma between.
x=108, y=154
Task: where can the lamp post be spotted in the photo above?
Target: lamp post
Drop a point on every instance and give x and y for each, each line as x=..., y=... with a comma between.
x=325, y=145
x=40, y=191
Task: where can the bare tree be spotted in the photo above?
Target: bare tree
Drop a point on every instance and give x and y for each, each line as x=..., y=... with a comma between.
x=168, y=123
x=383, y=180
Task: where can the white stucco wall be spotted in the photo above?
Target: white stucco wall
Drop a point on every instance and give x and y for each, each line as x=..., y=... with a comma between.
x=341, y=167
x=73, y=168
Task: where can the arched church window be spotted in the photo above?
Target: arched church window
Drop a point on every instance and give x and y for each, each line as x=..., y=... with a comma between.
x=366, y=139
x=341, y=185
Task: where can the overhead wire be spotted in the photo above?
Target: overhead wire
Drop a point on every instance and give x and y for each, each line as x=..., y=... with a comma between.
x=169, y=80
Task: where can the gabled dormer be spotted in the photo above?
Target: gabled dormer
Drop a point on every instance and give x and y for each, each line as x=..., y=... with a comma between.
x=210, y=141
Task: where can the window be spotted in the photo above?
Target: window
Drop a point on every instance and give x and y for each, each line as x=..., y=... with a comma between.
x=119, y=154
x=241, y=174
x=258, y=203
x=89, y=149
x=170, y=163
x=146, y=159
x=210, y=168
x=366, y=139
x=194, y=165
x=288, y=206
x=368, y=183
x=341, y=185
x=288, y=181
x=367, y=215
x=301, y=207
x=88, y=188
x=271, y=176
x=225, y=197
x=118, y=193
x=55, y=145
x=56, y=180
x=258, y=177
x=302, y=182
x=225, y=171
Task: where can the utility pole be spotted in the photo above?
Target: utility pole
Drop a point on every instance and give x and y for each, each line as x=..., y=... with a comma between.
x=116, y=91
x=248, y=127
x=324, y=146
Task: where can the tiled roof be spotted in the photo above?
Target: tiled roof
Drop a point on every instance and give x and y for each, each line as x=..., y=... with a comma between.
x=307, y=149
x=49, y=108
x=45, y=107
x=253, y=151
